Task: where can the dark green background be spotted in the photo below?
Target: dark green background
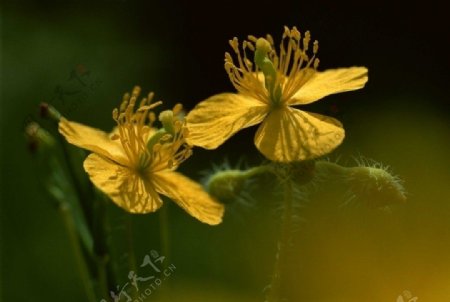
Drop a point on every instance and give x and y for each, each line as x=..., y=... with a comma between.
x=176, y=49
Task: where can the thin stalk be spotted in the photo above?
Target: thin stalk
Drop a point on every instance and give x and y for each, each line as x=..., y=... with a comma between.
x=130, y=246
x=102, y=277
x=105, y=270
x=275, y=291
x=164, y=234
x=165, y=248
x=69, y=223
x=85, y=206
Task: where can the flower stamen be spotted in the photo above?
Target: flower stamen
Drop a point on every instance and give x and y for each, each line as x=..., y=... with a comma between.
x=284, y=73
x=133, y=125
x=245, y=77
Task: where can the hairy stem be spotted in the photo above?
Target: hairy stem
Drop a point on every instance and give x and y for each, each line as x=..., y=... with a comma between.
x=275, y=288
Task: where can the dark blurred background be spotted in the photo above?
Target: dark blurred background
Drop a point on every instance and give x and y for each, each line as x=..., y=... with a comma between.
x=401, y=118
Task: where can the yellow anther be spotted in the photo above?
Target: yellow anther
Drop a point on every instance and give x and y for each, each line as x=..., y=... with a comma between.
x=316, y=46
x=136, y=91
x=132, y=100
x=252, y=38
x=229, y=66
x=126, y=96
x=287, y=32
x=248, y=63
x=316, y=63
x=295, y=33
x=234, y=44
x=115, y=114
x=177, y=109
x=270, y=39
x=249, y=45
x=228, y=57
x=124, y=104
x=306, y=40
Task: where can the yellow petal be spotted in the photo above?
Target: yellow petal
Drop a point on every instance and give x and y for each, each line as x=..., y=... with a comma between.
x=288, y=135
x=329, y=82
x=190, y=196
x=122, y=185
x=216, y=119
x=93, y=140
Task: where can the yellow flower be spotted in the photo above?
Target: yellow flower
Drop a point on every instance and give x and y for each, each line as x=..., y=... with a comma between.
x=267, y=88
x=136, y=162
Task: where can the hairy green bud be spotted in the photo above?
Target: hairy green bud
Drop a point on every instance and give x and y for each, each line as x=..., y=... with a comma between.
x=374, y=184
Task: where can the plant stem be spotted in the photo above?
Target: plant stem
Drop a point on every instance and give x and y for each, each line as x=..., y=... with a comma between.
x=164, y=234
x=275, y=291
x=105, y=271
x=130, y=244
x=85, y=205
x=165, y=247
x=131, y=255
x=69, y=223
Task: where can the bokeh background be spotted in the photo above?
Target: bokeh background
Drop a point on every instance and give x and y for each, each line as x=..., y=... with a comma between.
x=400, y=119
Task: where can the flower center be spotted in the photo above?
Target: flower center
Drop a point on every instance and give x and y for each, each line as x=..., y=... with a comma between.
x=143, y=144
x=134, y=127
x=168, y=144
x=284, y=73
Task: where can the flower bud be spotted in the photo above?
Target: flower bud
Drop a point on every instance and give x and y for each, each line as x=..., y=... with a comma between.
x=48, y=111
x=38, y=138
x=227, y=185
x=376, y=186
x=373, y=184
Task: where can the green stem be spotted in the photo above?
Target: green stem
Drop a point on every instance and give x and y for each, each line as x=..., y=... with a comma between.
x=105, y=270
x=69, y=223
x=164, y=291
x=330, y=168
x=275, y=291
x=131, y=254
x=85, y=205
x=102, y=277
x=164, y=234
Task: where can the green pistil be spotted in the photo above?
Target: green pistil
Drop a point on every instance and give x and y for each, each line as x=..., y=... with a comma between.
x=263, y=61
x=155, y=138
x=168, y=122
